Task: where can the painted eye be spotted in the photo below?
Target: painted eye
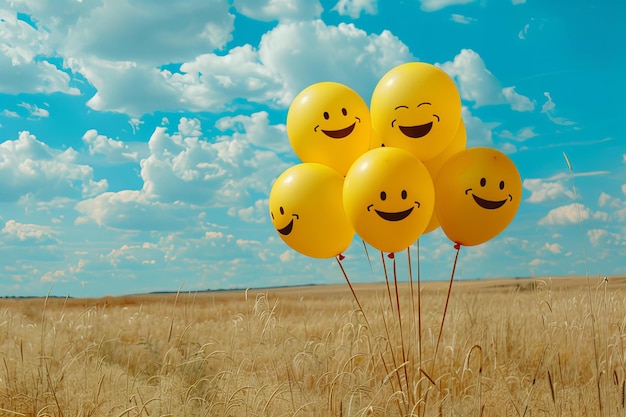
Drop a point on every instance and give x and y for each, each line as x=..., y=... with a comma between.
x=483, y=182
x=344, y=111
x=282, y=210
x=326, y=115
x=383, y=195
x=502, y=185
x=403, y=194
x=272, y=214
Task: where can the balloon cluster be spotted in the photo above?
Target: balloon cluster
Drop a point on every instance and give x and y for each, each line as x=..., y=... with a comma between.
x=391, y=172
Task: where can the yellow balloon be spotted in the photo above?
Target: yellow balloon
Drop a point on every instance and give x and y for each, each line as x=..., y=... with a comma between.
x=329, y=123
x=306, y=208
x=478, y=192
x=417, y=107
x=389, y=198
x=459, y=142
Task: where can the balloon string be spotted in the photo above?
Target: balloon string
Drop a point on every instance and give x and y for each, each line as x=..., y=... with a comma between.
x=345, y=275
x=395, y=284
x=393, y=354
x=358, y=302
x=457, y=246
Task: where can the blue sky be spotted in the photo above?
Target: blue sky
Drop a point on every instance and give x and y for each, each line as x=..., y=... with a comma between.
x=139, y=139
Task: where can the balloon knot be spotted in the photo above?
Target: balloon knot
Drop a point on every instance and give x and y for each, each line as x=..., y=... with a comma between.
x=390, y=255
x=341, y=257
x=457, y=246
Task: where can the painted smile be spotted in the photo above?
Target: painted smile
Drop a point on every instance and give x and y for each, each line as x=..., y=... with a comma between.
x=394, y=216
x=488, y=204
x=416, y=132
x=287, y=229
x=341, y=133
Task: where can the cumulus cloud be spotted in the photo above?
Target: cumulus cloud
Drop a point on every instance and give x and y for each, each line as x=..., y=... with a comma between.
x=602, y=237
x=29, y=166
x=20, y=45
x=34, y=111
x=554, y=248
x=354, y=8
x=479, y=133
x=256, y=129
x=517, y=101
x=184, y=174
x=476, y=83
x=113, y=151
x=542, y=190
x=519, y=136
x=279, y=9
x=14, y=232
x=303, y=53
x=434, y=5
x=569, y=214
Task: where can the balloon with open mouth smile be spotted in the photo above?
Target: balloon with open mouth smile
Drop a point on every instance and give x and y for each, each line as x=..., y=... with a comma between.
x=307, y=212
x=417, y=107
x=389, y=198
x=479, y=191
x=329, y=123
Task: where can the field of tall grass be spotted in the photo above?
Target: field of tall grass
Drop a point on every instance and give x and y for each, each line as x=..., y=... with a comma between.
x=537, y=347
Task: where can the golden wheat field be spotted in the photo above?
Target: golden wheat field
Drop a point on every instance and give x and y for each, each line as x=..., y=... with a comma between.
x=532, y=347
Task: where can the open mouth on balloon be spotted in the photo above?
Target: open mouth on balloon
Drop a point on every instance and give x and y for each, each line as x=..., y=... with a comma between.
x=287, y=229
x=394, y=216
x=488, y=204
x=341, y=133
x=416, y=132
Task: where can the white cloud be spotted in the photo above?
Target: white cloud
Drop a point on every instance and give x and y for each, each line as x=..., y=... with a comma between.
x=554, y=248
x=624, y=188
x=598, y=237
x=286, y=256
x=256, y=129
x=549, y=109
x=605, y=200
x=254, y=214
x=279, y=9
x=11, y=114
x=20, y=44
x=542, y=190
x=303, y=53
x=34, y=111
x=354, y=8
x=517, y=101
x=15, y=232
x=569, y=214
x=479, y=133
x=465, y=20
x=476, y=83
x=520, y=136
x=28, y=166
x=210, y=81
x=434, y=5
x=160, y=33
x=184, y=174
x=519, y=1
x=134, y=210
x=113, y=151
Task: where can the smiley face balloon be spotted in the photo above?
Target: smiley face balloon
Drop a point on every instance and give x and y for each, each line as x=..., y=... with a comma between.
x=306, y=209
x=479, y=191
x=417, y=107
x=329, y=123
x=389, y=198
